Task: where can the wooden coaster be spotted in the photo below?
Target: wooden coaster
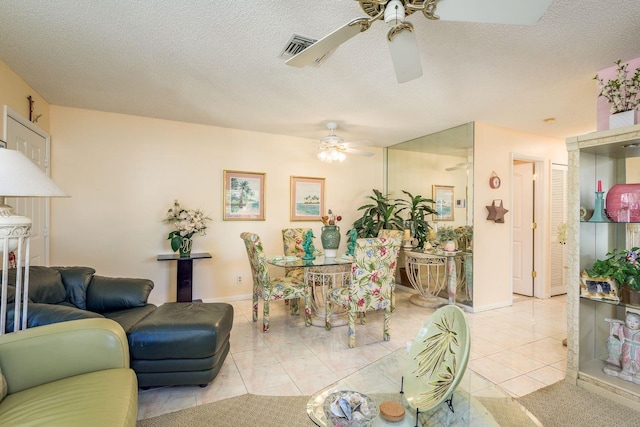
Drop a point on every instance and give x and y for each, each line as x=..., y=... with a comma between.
x=391, y=411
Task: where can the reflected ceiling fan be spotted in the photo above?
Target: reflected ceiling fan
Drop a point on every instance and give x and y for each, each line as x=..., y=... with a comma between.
x=333, y=148
x=401, y=38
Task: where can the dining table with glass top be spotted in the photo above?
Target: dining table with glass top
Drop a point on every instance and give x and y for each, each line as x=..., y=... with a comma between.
x=321, y=274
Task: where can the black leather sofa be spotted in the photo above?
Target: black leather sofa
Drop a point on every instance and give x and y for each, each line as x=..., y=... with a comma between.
x=174, y=344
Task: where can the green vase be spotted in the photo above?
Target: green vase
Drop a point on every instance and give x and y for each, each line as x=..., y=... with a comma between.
x=185, y=248
x=330, y=237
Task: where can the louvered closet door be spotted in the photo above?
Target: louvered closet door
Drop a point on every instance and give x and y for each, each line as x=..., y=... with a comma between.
x=558, y=217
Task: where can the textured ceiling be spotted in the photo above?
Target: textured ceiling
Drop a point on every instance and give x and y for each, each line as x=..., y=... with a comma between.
x=217, y=63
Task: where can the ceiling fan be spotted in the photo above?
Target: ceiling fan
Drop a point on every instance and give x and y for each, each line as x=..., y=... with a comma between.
x=401, y=38
x=333, y=148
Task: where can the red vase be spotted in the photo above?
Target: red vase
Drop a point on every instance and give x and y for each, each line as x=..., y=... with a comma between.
x=623, y=203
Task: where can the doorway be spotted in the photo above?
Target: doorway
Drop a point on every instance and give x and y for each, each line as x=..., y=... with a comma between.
x=528, y=240
x=22, y=135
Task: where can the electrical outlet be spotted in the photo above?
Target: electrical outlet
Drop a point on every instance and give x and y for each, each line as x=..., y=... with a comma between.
x=238, y=279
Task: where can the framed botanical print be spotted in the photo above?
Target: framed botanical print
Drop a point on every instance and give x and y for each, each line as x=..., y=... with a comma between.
x=307, y=198
x=443, y=197
x=243, y=196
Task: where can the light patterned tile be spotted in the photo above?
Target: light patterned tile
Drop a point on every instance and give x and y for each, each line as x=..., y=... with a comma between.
x=547, y=375
x=520, y=386
x=292, y=359
x=493, y=371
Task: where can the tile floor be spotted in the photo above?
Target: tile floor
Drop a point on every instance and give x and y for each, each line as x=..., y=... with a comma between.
x=519, y=348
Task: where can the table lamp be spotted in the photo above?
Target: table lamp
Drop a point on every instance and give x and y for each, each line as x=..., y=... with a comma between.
x=19, y=177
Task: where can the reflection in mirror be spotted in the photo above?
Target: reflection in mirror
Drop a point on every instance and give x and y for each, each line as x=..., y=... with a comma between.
x=439, y=167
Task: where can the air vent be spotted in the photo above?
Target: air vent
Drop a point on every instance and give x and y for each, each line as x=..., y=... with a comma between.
x=299, y=43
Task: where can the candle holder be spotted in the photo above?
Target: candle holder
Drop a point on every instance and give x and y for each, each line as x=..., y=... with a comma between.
x=598, y=210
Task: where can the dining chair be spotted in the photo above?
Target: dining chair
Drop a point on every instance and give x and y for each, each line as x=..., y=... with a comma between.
x=292, y=239
x=279, y=288
x=370, y=288
x=391, y=234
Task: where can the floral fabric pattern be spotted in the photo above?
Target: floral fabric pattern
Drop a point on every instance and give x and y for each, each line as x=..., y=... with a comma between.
x=372, y=282
x=279, y=288
x=292, y=239
x=392, y=234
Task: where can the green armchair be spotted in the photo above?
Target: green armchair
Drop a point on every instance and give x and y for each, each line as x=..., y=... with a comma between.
x=68, y=374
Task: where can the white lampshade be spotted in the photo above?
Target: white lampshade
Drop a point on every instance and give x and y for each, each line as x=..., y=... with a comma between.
x=20, y=177
x=405, y=54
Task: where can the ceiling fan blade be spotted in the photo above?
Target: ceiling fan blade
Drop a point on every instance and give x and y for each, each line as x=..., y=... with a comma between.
x=404, y=53
x=518, y=12
x=329, y=42
x=358, y=152
x=362, y=143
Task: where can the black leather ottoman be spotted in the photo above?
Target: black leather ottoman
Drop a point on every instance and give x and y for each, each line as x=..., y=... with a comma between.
x=181, y=343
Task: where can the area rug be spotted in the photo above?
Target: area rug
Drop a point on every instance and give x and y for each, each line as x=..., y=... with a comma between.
x=564, y=404
x=276, y=411
x=248, y=410
x=559, y=405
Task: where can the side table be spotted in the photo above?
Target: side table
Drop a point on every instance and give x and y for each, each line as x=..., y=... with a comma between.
x=184, y=281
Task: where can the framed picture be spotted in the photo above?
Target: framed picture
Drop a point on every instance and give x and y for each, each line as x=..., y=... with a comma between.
x=307, y=198
x=443, y=196
x=243, y=196
x=598, y=287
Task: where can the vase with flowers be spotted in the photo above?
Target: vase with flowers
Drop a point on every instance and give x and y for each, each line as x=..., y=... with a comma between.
x=330, y=235
x=624, y=267
x=187, y=223
x=623, y=95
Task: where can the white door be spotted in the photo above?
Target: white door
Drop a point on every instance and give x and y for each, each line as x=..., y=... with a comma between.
x=522, y=230
x=558, y=217
x=24, y=136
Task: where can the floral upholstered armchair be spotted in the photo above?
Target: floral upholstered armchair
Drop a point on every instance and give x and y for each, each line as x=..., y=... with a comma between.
x=292, y=239
x=392, y=234
x=372, y=281
x=279, y=288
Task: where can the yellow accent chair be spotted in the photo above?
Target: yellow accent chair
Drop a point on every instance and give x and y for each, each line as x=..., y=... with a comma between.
x=70, y=374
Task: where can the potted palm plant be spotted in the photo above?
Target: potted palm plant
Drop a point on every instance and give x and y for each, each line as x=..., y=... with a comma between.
x=418, y=208
x=381, y=214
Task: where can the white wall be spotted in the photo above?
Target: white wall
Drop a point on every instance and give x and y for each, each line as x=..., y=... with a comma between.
x=14, y=92
x=493, y=150
x=123, y=173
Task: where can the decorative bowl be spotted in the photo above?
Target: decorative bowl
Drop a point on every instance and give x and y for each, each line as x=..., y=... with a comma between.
x=350, y=409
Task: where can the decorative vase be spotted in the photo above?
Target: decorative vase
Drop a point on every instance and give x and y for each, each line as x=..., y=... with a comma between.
x=623, y=203
x=330, y=237
x=185, y=248
x=630, y=296
x=449, y=246
x=620, y=120
x=598, y=210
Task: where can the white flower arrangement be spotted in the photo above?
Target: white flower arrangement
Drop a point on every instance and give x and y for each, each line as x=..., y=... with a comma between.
x=186, y=222
x=621, y=92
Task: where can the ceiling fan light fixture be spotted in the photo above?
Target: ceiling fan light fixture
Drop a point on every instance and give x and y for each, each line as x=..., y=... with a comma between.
x=404, y=52
x=330, y=154
x=394, y=13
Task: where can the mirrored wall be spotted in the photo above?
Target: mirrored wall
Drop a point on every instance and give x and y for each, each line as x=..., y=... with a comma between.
x=439, y=167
